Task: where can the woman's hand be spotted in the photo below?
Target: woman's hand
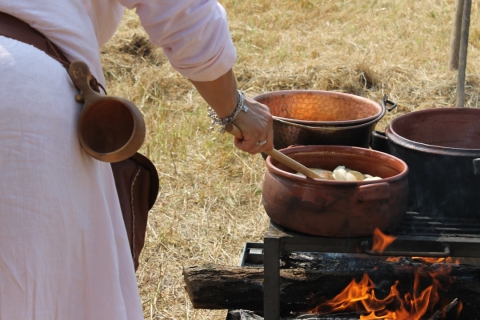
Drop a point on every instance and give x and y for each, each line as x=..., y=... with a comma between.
x=256, y=126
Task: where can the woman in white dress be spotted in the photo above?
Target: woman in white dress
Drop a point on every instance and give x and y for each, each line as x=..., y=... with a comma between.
x=64, y=252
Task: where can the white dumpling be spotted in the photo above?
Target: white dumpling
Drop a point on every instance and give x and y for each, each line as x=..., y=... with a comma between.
x=372, y=178
x=340, y=173
x=350, y=177
x=358, y=175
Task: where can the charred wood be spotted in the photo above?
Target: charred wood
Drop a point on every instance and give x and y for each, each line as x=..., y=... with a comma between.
x=449, y=307
x=242, y=315
x=249, y=315
x=307, y=282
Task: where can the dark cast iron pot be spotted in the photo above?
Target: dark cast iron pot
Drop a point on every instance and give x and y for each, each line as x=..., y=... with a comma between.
x=336, y=208
x=442, y=150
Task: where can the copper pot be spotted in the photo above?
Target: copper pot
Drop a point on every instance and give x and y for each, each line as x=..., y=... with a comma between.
x=315, y=117
x=336, y=208
x=320, y=108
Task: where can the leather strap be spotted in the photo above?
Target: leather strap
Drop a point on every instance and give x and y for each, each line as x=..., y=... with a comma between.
x=16, y=29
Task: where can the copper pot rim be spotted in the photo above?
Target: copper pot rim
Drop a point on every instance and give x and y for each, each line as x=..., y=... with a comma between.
x=377, y=116
x=331, y=128
x=357, y=150
x=429, y=148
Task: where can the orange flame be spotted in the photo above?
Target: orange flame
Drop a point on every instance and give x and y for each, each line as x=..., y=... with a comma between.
x=360, y=296
x=436, y=260
x=393, y=259
x=381, y=241
x=428, y=260
x=459, y=309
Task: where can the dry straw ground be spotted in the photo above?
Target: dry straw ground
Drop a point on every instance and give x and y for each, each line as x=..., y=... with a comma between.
x=210, y=199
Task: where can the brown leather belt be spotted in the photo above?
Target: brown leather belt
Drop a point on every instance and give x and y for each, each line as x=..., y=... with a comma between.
x=15, y=28
x=19, y=30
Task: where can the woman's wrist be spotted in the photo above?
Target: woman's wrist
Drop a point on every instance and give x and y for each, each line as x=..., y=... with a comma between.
x=240, y=106
x=225, y=106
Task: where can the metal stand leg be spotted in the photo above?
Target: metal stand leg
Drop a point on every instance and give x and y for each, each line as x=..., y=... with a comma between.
x=271, y=282
x=462, y=58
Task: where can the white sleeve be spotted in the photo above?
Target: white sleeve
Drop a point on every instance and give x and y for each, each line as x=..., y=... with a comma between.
x=193, y=34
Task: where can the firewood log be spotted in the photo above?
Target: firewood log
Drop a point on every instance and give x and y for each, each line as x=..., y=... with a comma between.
x=227, y=287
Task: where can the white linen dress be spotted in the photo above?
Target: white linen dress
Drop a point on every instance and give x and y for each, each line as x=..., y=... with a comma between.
x=64, y=252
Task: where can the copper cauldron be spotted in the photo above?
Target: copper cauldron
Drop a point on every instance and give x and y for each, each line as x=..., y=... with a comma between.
x=315, y=117
x=336, y=208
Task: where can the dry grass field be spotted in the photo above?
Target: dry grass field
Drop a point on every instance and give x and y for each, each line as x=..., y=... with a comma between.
x=210, y=199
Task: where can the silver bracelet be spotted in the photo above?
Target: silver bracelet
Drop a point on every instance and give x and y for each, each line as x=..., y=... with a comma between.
x=223, y=121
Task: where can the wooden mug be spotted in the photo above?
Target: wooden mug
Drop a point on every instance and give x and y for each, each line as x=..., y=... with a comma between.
x=111, y=129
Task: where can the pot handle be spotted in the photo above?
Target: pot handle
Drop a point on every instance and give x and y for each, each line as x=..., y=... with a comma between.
x=374, y=191
x=476, y=166
x=379, y=141
x=386, y=102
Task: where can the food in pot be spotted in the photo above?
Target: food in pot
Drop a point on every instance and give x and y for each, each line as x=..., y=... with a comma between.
x=327, y=175
x=341, y=173
x=353, y=175
x=324, y=174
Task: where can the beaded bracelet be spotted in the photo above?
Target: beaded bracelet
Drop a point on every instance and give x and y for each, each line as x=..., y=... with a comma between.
x=222, y=122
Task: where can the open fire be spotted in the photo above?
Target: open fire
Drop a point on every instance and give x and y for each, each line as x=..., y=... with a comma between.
x=422, y=301
x=428, y=260
x=312, y=270
x=361, y=297
x=381, y=241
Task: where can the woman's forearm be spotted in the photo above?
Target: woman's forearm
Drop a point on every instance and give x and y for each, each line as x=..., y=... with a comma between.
x=220, y=94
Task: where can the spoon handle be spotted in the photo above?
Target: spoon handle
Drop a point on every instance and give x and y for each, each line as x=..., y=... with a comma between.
x=275, y=154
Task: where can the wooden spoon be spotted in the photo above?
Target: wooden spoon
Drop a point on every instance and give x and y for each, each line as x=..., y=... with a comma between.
x=277, y=155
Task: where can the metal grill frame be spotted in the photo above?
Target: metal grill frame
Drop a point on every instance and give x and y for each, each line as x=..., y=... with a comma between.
x=430, y=236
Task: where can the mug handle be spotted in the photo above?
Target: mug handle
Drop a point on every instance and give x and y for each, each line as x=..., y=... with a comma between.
x=81, y=77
